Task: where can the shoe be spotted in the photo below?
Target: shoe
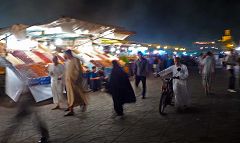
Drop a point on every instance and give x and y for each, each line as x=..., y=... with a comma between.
x=119, y=117
x=66, y=110
x=70, y=113
x=232, y=91
x=121, y=114
x=84, y=108
x=43, y=140
x=57, y=107
x=143, y=97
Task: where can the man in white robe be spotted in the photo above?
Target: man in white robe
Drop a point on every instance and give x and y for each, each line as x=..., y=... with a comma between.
x=182, y=97
x=56, y=71
x=208, y=70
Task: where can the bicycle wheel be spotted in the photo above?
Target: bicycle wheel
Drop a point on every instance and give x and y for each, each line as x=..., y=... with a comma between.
x=162, y=103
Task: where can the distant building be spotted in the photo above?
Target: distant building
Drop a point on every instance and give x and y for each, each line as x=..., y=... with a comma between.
x=226, y=40
x=205, y=46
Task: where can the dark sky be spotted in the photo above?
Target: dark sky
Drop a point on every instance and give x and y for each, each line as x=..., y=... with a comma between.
x=175, y=22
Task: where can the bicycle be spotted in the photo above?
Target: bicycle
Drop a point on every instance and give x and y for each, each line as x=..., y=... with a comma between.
x=167, y=93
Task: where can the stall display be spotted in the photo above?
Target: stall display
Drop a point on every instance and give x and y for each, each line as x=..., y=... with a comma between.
x=39, y=43
x=96, y=63
x=22, y=56
x=34, y=57
x=14, y=60
x=42, y=56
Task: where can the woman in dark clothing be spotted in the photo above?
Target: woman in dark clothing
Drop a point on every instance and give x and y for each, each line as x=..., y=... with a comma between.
x=120, y=88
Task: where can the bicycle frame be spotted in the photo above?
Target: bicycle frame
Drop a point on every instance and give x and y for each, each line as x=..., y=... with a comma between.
x=167, y=85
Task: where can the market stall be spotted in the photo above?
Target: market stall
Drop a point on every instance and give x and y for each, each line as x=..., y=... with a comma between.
x=30, y=49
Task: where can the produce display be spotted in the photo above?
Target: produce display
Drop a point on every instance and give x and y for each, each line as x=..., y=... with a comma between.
x=96, y=63
x=105, y=63
x=32, y=65
x=39, y=69
x=34, y=57
x=32, y=70
x=21, y=55
x=36, y=74
x=42, y=56
x=14, y=60
x=25, y=71
x=61, y=59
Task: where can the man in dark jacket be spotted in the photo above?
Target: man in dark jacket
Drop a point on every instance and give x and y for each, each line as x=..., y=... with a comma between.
x=120, y=88
x=141, y=70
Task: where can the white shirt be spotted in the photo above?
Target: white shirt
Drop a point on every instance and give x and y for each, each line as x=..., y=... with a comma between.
x=57, y=71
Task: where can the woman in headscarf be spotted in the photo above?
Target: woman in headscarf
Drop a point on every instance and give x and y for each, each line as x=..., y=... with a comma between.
x=73, y=81
x=120, y=88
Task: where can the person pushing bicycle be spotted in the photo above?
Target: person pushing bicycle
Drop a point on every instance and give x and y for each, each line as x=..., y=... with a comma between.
x=180, y=75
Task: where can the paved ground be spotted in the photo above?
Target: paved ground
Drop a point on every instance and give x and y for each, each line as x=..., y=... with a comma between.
x=213, y=119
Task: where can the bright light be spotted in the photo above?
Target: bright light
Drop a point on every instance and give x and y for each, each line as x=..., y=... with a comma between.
x=155, y=52
x=185, y=53
x=238, y=48
x=54, y=30
x=213, y=47
x=191, y=55
x=118, y=51
x=176, y=49
x=85, y=31
x=165, y=47
x=108, y=34
x=36, y=28
x=174, y=52
x=52, y=47
x=101, y=48
x=201, y=48
x=158, y=47
x=58, y=42
x=149, y=45
x=27, y=44
x=45, y=43
x=227, y=52
x=206, y=47
x=161, y=52
x=142, y=49
x=113, y=49
x=80, y=31
x=131, y=48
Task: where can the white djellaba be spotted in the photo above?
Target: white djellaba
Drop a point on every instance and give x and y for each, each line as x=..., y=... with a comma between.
x=180, y=89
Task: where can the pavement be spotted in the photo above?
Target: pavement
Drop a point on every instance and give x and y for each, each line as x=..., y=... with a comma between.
x=211, y=119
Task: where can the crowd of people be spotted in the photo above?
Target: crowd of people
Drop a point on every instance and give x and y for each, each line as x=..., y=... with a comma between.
x=70, y=77
x=117, y=83
x=207, y=65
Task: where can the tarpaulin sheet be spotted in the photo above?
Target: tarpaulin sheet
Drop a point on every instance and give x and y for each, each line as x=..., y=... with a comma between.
x=15, y=87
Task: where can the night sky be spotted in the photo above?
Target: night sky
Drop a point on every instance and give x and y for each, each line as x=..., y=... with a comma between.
x=174, y=22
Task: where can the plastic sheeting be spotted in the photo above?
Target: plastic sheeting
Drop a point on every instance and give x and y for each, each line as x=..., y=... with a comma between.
x=15, y=87
x=41, y=92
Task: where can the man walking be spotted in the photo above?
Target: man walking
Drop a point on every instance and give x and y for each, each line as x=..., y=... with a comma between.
x=73, y=81
x=231, y=62
x=208, y=68
x=26, y=110
x=141, y=70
